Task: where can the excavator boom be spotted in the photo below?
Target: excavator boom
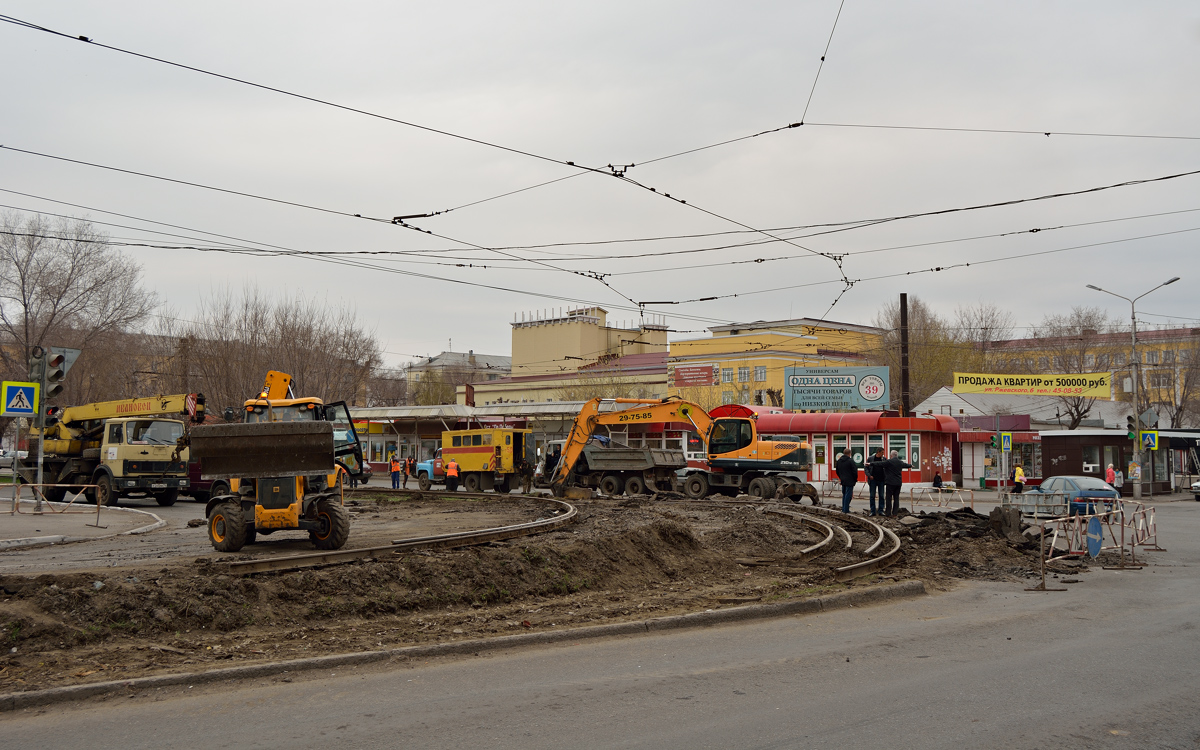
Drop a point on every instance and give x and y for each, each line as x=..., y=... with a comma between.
x=648, y=410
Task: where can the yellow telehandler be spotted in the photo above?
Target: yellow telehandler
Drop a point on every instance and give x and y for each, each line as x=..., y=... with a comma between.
x=284, y=462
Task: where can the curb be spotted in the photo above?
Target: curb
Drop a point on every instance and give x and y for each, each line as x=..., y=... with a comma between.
x=874, y=595
x=39, y=541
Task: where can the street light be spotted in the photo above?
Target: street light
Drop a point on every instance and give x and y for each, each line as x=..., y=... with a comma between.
x=1137, y=443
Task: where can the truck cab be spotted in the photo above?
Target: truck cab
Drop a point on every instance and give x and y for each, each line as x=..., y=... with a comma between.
x=430, y=470
x=141, y=456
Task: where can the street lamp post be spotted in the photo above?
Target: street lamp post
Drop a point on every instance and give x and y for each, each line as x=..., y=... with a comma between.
x=1136, y=363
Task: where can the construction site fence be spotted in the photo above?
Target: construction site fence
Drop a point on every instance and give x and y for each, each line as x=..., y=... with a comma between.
x=42, y=505
x=938, y=497
x=1124, y=526
x=1037, y=504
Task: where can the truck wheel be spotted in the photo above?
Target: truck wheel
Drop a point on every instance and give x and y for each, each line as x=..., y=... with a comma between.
x=635, y=486
x=695, y=486
x=423, y=481
x=227, y=527
x=761, y=487
x=612, y=484
x=218, y=488
x=333, y=526
x=471, y=482
x=105, y=494
x=504, y=486
x=55, y=494
x=167, y=498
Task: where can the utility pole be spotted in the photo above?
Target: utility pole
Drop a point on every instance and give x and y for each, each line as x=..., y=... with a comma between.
x=904, y=394
x=1135, y=363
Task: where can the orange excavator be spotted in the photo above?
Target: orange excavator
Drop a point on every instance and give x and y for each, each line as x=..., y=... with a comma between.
x=739, y=461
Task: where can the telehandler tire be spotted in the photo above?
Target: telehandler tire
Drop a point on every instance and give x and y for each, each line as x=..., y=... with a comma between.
x=167, y=498
x=227, y=527
x=333, y=526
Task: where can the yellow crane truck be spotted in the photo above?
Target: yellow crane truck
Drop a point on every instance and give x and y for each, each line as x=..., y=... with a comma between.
x=127, y=447
x=739, y=461
x=284, y=463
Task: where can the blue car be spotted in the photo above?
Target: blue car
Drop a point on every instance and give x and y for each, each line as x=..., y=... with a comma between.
x=1084, y=495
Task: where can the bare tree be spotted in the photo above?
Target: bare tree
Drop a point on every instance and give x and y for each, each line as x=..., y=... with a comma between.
x=61, y=285
x=1076, y=343
x=978, y=328
x=603, y=384
x=1173, y=385
x=387, y=387
x=933, y=349
x=231, y=342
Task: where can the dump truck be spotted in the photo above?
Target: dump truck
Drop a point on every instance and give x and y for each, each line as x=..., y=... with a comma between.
x=499, y=458
x=128, y=447
x=614, y=469
x=739, y=460
x=284, y=464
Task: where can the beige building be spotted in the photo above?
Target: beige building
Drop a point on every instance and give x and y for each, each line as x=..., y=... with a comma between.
x=575, y=355
x=744, y=364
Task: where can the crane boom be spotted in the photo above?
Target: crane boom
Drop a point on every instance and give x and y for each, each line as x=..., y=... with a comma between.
x=173, y=405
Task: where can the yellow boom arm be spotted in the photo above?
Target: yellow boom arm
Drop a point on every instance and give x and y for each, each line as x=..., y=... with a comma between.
x=651, y=410
x=175, y=405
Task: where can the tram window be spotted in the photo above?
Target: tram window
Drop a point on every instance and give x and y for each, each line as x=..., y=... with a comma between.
x=477, y=440
x=487, y=438
x=456, y=441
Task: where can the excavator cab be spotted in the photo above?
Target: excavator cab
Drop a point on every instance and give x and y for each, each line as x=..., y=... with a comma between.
x=730, y=435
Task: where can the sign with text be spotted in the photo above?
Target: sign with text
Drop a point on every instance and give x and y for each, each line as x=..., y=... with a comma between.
x=689, y=376
x=1087, y=385
x=836, y=388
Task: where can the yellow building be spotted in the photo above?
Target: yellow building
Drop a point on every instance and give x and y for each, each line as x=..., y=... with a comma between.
x=575, y=355
x=744, y=364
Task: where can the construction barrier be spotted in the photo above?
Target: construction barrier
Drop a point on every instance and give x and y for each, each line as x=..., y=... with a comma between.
x=1037, y=504
x=940, y=497
x=1124, y=525
x=42, y=505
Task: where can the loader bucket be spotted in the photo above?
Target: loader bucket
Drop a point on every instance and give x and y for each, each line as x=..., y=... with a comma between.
x=263, y=449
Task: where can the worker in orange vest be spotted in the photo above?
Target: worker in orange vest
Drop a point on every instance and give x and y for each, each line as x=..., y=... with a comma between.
x=395, y=468
x=452, y=475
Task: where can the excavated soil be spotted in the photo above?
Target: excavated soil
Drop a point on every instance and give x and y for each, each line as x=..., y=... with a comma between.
x=623, y=560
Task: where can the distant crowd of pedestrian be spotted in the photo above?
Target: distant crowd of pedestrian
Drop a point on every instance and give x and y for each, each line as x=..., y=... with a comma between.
x=884, y=478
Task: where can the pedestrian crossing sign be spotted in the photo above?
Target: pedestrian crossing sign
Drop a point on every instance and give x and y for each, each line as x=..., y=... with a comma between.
x=1150, y=440
x=1006, y=442
x=19, y=399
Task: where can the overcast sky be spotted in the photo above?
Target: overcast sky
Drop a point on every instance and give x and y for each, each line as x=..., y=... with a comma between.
x=623, y=83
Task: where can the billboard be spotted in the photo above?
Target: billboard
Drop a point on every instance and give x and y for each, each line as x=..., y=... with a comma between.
x=687, y=376
x=836, y=388
x=1087, y=385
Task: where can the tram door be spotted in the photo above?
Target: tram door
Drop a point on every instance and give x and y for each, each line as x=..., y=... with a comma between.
x=820, y=459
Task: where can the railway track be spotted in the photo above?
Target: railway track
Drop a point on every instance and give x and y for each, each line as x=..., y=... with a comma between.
x=563, y=514
x=832, y=523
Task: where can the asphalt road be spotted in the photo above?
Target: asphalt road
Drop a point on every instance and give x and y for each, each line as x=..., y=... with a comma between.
x=1113, y=662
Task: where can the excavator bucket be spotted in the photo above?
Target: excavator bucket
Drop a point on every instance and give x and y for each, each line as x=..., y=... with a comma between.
x=255, y=450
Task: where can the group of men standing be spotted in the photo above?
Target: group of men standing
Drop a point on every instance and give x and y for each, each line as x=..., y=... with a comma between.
x=409, y=468
x=883, y=476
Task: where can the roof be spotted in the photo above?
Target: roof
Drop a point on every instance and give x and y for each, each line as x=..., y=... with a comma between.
x=648, y=363
x=796, y=323
x=1119, y=338
x=561, y=409
x=1039, y=408
x=463, y=359
x=858, y=421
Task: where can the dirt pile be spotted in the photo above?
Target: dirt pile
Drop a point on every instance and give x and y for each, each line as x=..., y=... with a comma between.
x=618, y=562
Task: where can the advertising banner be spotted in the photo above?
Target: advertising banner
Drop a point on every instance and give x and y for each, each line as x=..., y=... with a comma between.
x=687, y=376
x=836, y=388
x=1087, y=385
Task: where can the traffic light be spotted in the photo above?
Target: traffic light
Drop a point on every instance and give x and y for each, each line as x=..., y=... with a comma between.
x=54, y=375
x=1130, y=428
x=37, y=365
x=994, y=443
x=52, y=415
